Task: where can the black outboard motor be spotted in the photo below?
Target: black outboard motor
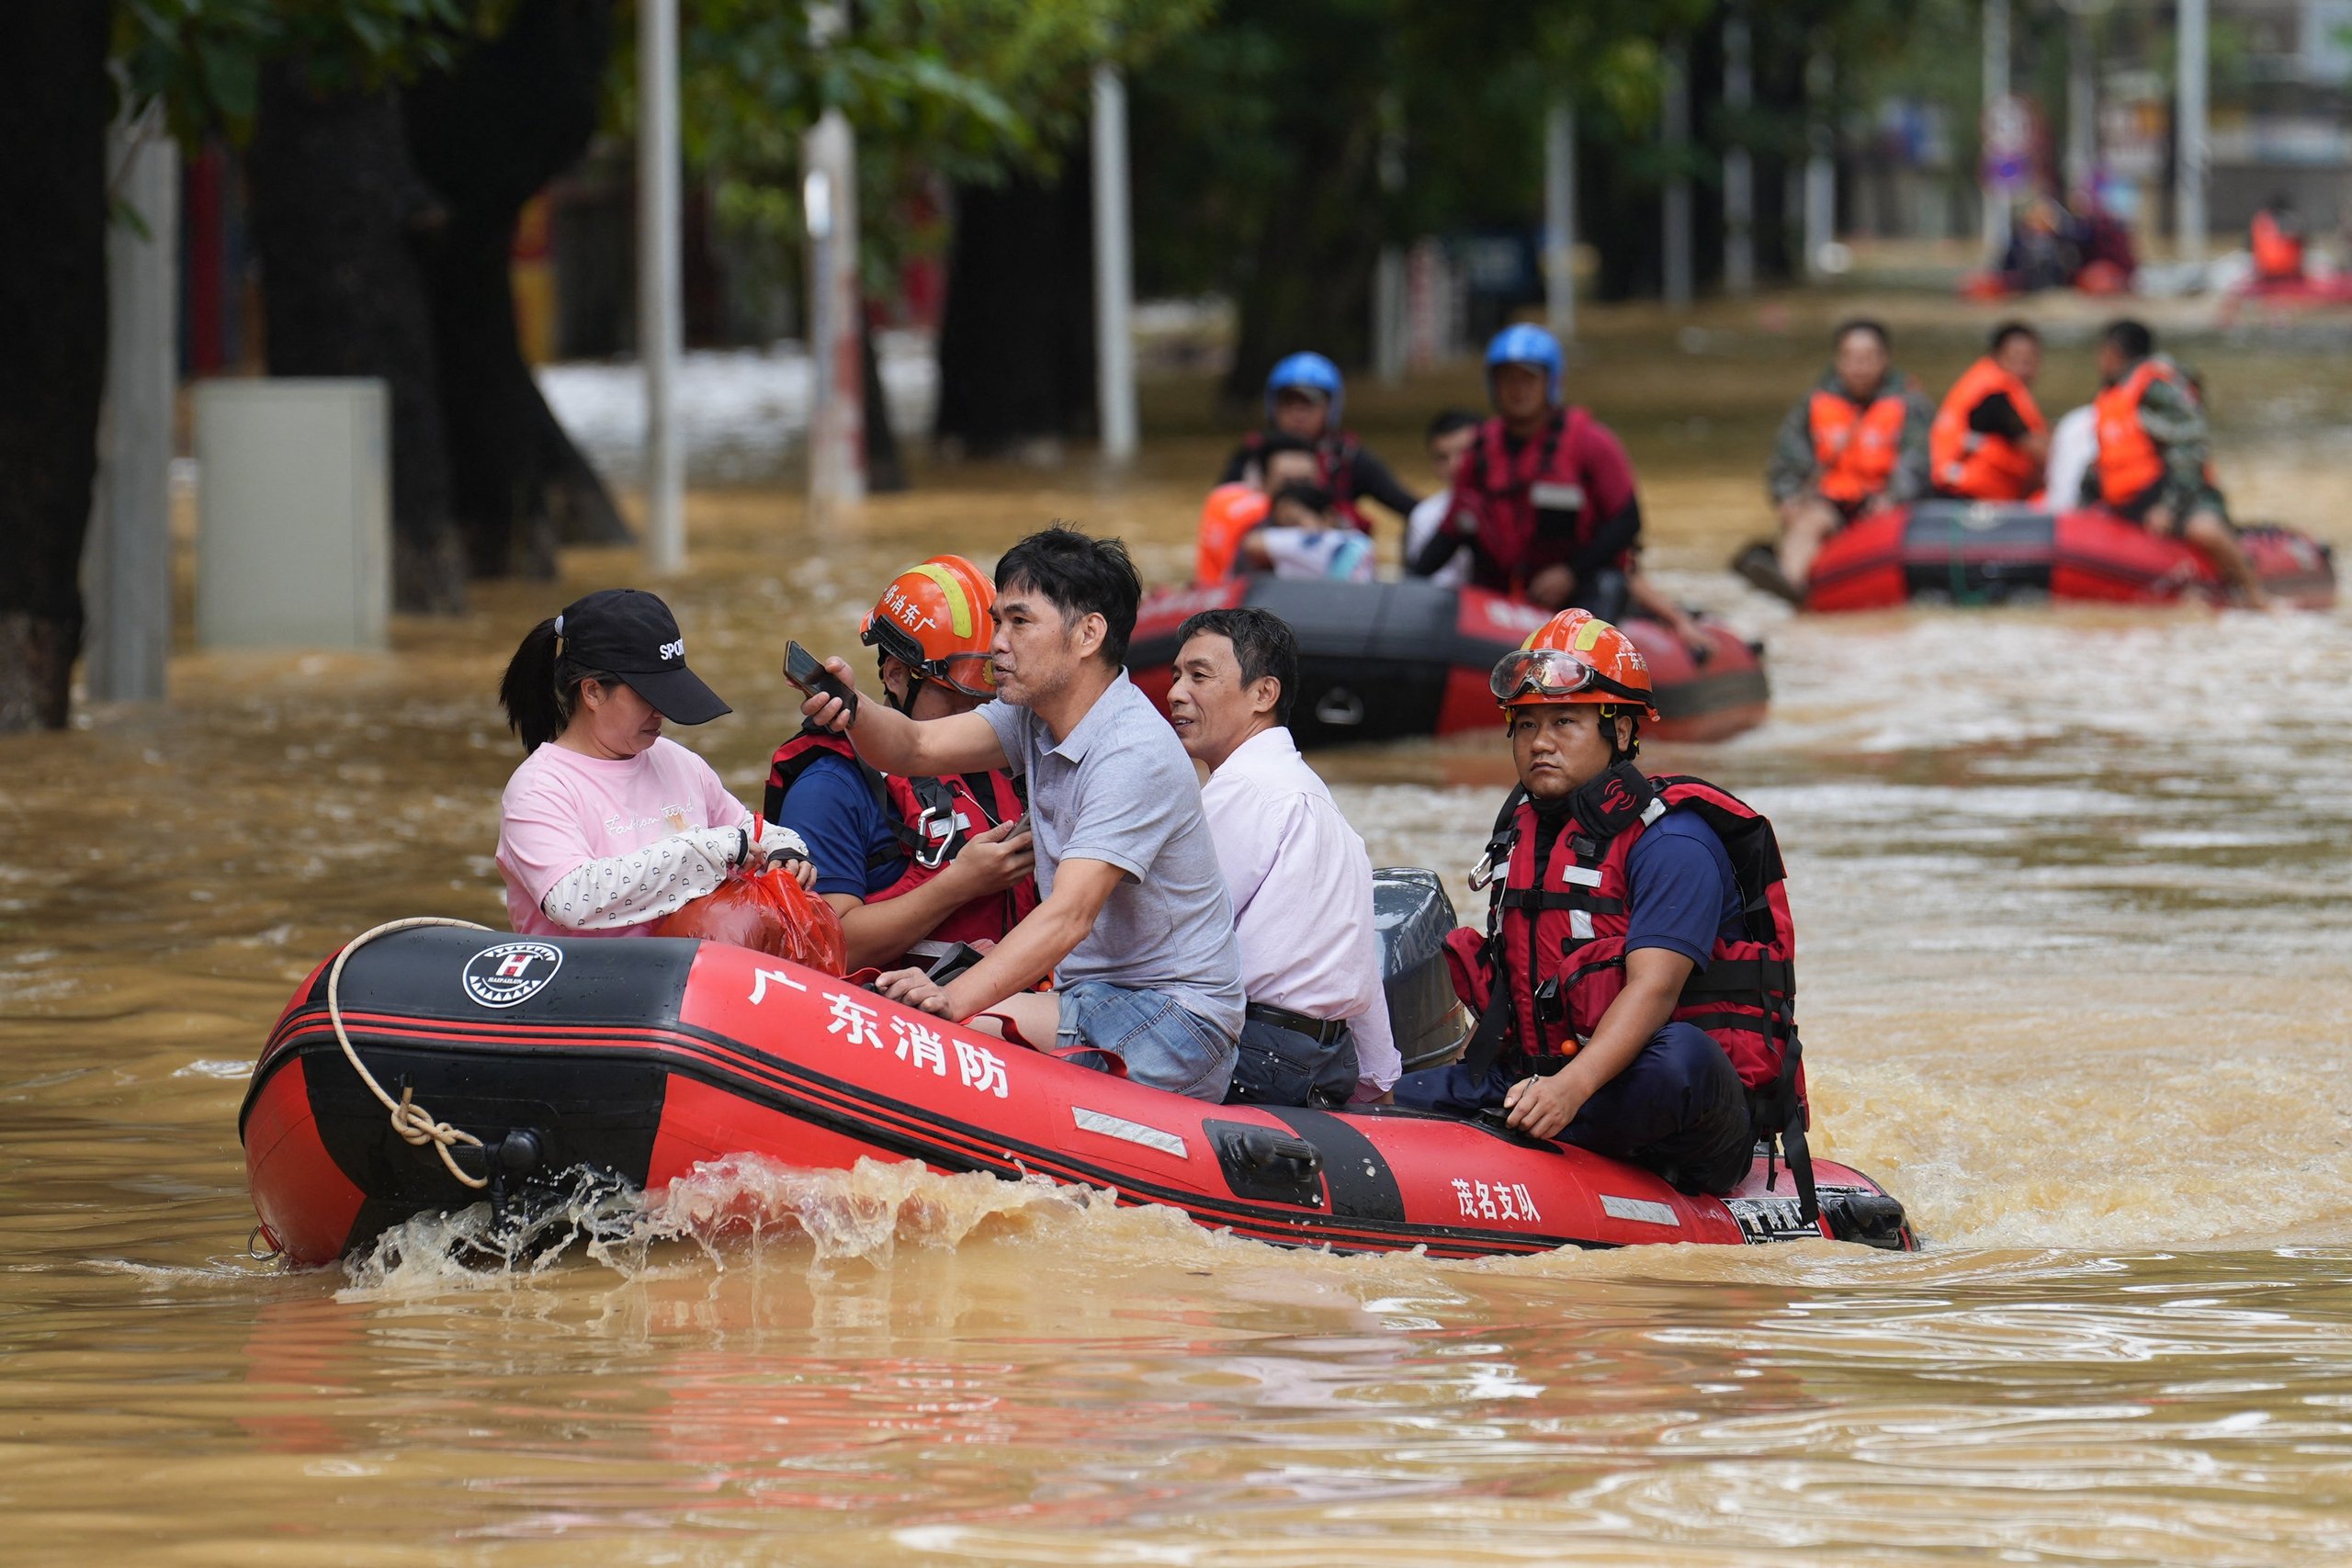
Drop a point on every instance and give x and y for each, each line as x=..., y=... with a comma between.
x=1412, y=913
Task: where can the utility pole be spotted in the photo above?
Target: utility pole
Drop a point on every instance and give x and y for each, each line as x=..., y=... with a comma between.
x=1560, y=218
x=836, y=361
x=1674, y=130
x=128, y=563
x=2189, y=151
x=1739, y=170
x=660, y=315
x=2081, y=98
x=1115, y=277
x=1994, y=191
x=1821, y=162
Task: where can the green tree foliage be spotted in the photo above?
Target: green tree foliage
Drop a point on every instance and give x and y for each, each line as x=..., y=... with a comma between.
x=962, y=90
x=202, y=59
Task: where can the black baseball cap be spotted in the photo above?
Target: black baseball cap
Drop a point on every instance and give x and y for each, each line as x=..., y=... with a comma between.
x=630, y=634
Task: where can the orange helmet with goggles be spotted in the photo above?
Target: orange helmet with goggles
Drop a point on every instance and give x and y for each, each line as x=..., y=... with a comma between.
x=936, y=619
x=1574, y=656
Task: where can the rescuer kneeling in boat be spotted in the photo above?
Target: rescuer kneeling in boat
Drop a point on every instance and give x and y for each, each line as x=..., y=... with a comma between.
x=1305, y=396
x=608, y=824
x=1316, y=1029
x=1133, y=923
x=1989, y=441
x=1857, y=445
x=2153, y=462
x=913, y=867
x=1634, y=985
x=1544, y=499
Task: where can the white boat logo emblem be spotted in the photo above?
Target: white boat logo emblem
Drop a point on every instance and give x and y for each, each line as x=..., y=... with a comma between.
x=511, y=973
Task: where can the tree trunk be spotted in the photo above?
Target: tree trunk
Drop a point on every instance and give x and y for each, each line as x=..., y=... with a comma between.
x=1308, y=283
x=488, y=136
x=336, y=208
x=54, y=102
x=886, y=470
x=1016, y=343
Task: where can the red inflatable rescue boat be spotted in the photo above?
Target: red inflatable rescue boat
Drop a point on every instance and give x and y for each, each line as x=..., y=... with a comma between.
x=1959, y=552
x=641, y=1059
x=1393, y=661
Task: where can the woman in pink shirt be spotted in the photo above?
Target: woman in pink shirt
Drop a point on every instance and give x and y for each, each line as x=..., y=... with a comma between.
x=607, y=826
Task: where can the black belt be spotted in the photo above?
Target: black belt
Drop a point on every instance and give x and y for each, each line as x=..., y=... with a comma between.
x=1322, y=1030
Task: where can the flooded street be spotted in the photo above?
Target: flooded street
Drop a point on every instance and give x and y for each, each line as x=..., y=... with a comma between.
x=2071, y=890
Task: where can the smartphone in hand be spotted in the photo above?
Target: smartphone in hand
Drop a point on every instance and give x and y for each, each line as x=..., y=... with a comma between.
x=802, y=669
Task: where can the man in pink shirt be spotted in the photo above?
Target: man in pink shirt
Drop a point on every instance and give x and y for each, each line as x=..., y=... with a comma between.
x=1316, y=1031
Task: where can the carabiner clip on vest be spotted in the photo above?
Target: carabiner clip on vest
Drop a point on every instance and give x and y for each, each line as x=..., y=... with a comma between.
x=932, y=850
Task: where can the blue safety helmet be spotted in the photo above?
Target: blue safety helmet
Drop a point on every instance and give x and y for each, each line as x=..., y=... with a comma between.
x=1524, y=344
x=1307, y=373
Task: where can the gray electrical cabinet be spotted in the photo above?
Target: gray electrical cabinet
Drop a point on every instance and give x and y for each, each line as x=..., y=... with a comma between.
x=294, y=517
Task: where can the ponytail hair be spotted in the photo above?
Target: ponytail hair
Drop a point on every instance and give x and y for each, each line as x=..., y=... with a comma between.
x=536, y=708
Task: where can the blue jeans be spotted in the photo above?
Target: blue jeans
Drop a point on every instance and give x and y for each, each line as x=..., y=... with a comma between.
x=1678, y=1108
x=1282, y=1066
x=1164, y=1043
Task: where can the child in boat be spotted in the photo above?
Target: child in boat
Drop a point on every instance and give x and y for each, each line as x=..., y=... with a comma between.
x=609, y=825
x=1302, y=538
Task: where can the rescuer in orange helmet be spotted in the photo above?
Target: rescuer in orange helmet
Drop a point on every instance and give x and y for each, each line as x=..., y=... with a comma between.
x=1634, y=984
x=913, y=865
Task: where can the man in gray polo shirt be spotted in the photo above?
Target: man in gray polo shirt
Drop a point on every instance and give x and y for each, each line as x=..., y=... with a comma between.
x=1135, y=923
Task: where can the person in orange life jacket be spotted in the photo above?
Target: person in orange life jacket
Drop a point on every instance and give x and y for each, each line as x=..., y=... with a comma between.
x=1234, y=510
x=1315, y=1030
x=1856, y=445
x=1989, y=441
x=2275, y=238
x=608, y=824
x=2153, y=454
x=1544, y=500
x=1305, y=396
x=912, y=865
x=1135, y=924
x=1597, y=944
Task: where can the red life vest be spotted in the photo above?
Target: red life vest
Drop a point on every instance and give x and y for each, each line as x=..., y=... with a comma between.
x=1857, y=449
x=2278, y=252
x=1973, y=464
x=932, y=819
x=2130, y=463
x=1335, y=459
x=1532, y=511
x=1555, y=952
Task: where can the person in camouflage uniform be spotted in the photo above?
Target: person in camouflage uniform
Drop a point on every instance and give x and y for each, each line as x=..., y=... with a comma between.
x=1856, y=445
x=2154, y=452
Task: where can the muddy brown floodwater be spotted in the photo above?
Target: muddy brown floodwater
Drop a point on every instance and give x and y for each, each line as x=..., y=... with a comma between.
x=2072, y=889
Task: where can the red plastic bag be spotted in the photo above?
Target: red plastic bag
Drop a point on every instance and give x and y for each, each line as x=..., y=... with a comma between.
x=768, y=912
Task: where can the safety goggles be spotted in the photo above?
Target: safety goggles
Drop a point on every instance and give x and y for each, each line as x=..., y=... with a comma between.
x=974, y=674
x=1549, y=672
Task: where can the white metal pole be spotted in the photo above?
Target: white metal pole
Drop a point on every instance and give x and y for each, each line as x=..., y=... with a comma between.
x=1994, y=197
x=128, y=558
x=2082, y=101
x=1560, y=218
x=1820, y=165
x=1739, y=170
x=660, y=314
x=836, y=349
x=1674, y=130
x=2189, y=149
x=1115, y=342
